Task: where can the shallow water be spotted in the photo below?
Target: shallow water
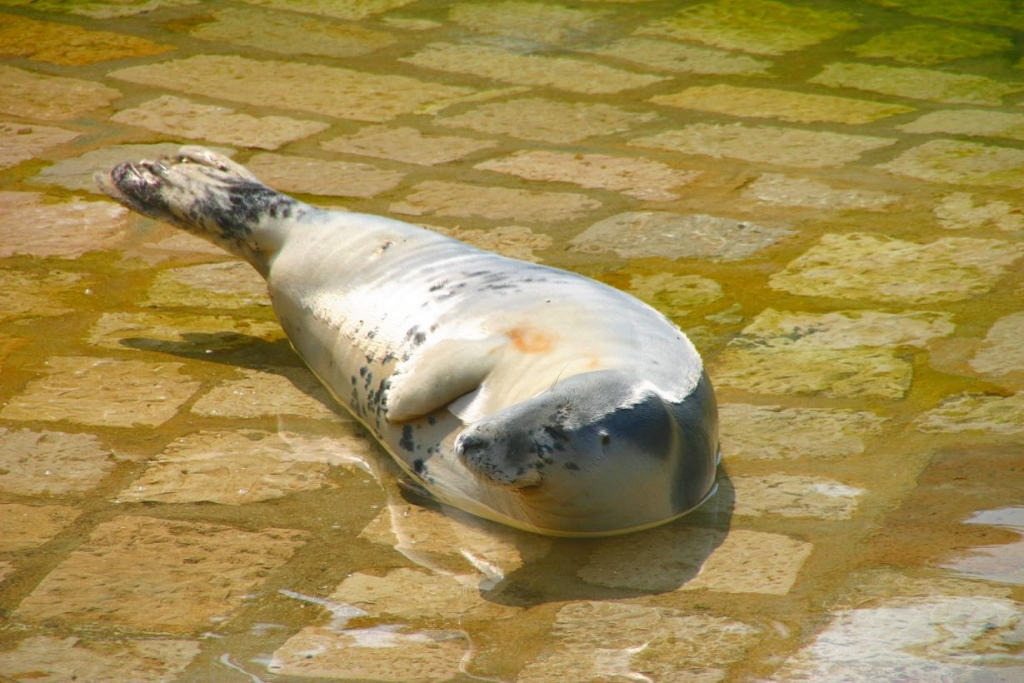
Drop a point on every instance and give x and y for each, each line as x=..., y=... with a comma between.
x=823, y=195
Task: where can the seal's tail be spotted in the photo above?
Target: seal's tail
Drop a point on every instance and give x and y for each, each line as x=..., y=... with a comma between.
x=207, y=195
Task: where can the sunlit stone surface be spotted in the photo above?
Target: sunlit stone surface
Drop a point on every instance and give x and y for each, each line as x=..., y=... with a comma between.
x=847, y=329
x=318, y=176
x=918, y=84
x=514, y=241
x=530, y=21
x=179, y=332
x=868, y=266
x=976, y=413
x=33, y=294
x=498, y=203
x=341, y=93
x=290, y=33
x=667, y=56
x=230, y=284
x=234, y=468
x=48, y=659
x=268, y=392
x=68, y=45
x=51, y=463
x=1003, y=351
x=963, y=163
x=547, y=120
x=640, y=178
x=163, y=575
x=52, y=98
x=612, y=641
x=949, y=638
x=100, y=9
x=535, y=70
x=672, y=294
x=31, y=224
x=28, y=526
x=794, y=496
x=669, y=235
x=765, y=144
x=779, y=104
x=962, y=211
x=783, y=190
x=758, y=26
x=978, y=122
x=23, y=141
x=103, y=392
x=182, y=118
x=407, y=145
x=692, y=558
x=772, y=432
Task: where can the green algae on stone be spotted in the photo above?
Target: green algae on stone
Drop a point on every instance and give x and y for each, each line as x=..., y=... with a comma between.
x=99, y=9
x=847, y=329
x=531, y=21
x=229, y=284
x=757, y=26
x=765, y=144
x=992, y=12
x=960, y=211
x=779, y=104
x=350, y=10
x=1003, y=350
x=876, y=267
x=182, y=118
x=783, y=190
x=668, y=56
x=563, y=73
x=931, y=44
x=986, y=413
x=547, y=120
x=68, y=45
x=976, y=122
x=37, y=96
x=36, y=294
x=918, y=84
x=637, y=177
x=674, y=294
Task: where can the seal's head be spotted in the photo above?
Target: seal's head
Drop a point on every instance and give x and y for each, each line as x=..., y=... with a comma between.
x=597, y=447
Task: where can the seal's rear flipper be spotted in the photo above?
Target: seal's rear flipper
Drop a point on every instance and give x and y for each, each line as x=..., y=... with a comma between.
x=207, y=195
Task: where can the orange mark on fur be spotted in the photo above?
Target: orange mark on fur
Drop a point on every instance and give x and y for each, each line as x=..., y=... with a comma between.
x=528, y=340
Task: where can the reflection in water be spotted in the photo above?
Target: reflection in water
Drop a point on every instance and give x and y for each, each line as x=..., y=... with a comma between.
x=1002, y=563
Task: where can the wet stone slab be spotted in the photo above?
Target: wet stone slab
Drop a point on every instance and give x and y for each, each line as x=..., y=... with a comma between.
x=341, y=93
x=976, y=122
x=103, y=392
x=182, y=118
x=547, y=120
x=782, y=190
x=779, y=104
x=318, y=176
x=963, y=211
x=531, y=21
x=48, y=463
x=30, y=526
x=68, y=45
x=354, y=10
x=179, y=332
x=266, y=393
x=37, y=295
x=290, y=33
x=674, y=294
x=942, y=638
x=230, y=284
x=757, y=26
x=814, y=370
x=31, y=224
x=641, y=178
x=693, y=558
x=514, y=241
x=407, y=145
x=931, y=44
x=563, y=73
x=962, y=163
x=497, y=203
x=614, y=641
x=663, y=55
x=918, y=84
x=772, y=432
x=869, y=266
x=50, y=659
x=23, y=141
x=77, y=173
x=766, y=144
x=847, y=329
x=794, y=496
x=239, y=467
x=1003, y=350
x=101, y=9
x=674, y=236
x=52, y=98
x=187, y=574
x=986, y=413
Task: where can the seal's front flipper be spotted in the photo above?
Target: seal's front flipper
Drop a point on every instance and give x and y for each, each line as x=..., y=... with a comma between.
x=439, y=373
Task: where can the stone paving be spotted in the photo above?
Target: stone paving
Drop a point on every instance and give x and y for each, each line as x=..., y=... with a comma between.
x=824, y=195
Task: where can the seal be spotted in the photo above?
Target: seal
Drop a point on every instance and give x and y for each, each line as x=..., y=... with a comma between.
x=527, y=395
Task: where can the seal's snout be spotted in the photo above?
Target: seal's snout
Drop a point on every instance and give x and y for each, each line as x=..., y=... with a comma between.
x=471, y=447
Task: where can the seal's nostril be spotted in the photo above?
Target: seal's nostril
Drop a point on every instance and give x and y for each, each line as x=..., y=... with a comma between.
x=469, y=445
